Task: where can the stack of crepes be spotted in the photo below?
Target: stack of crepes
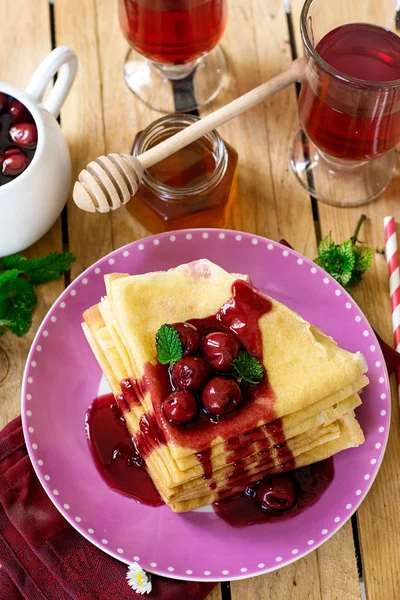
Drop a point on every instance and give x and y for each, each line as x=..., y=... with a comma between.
x=306, y=415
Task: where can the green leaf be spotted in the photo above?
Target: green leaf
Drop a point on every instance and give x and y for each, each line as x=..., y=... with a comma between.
x=8, y=276
x=325, y=248
x=47, y=268
x=14, y=261
x=355, y=278
x=345, y=261
x=168, y=345
x=5, y=323
x=363, y=258
x=17, y=299
x=248, y=368
x=337, y=260
x=17, y=276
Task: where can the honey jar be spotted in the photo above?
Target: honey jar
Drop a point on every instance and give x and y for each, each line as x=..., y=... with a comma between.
x=193, y=187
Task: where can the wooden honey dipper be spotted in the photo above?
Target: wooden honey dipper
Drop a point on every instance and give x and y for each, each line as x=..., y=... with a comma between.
x=110, y=181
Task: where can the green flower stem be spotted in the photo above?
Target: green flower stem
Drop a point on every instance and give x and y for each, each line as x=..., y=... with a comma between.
x=357, y=229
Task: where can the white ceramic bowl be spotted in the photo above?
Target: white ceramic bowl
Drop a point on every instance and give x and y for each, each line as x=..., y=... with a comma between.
x=32, y=202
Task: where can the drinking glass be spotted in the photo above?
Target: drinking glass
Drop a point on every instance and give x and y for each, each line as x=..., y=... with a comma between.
x=349, y=102
x=174, y=41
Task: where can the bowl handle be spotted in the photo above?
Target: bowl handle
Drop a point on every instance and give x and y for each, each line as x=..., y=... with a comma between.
x=61, y=59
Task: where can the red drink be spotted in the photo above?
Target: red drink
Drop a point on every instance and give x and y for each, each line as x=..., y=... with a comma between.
x=356, y=120
x=173, y=31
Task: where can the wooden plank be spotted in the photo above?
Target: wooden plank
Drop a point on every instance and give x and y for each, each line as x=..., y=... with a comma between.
x=25, y=26
x=266, y=202
x=298, y=580
x=215, y=594
x=378, y=517
x=337, y=567
x=124, y=114
x=82, y=120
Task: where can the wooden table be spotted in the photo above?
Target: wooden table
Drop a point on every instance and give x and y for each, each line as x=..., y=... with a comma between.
x=101, y=115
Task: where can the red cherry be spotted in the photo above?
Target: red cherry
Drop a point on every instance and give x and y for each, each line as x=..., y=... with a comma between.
x=191, y=373
x=18, y=110
x=220, y=349
x=277, y=493
x=3, y=101
x=13, y=162
x=180, y=407
x=24, y=134
x=190, y=337
x=221, y=396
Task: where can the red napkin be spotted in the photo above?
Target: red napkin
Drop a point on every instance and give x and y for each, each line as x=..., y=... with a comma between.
x=43, y=558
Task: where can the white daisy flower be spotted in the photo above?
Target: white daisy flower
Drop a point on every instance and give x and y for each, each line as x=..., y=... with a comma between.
x=138, y=579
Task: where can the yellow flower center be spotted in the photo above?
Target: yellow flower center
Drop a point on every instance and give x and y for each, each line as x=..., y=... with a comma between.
x=140, y=578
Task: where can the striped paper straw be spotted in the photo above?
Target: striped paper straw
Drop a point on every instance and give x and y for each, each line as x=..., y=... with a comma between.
x=392, y=259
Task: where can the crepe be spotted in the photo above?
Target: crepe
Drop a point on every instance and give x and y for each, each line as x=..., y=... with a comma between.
x=307, y=405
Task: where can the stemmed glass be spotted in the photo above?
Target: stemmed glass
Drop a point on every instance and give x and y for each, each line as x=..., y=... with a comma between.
x=349, y=102
x=173, y=41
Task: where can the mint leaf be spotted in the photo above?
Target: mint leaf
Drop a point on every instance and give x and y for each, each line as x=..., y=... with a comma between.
x=248, y=368
x=5, y=278
x=17, y=276
x=345, y=262
x=355, y=278
x=325, y=248
x=6, y=323
x=14, y=261
x=363, y=258
x=168, y=345
x=46, y=268
x=17, y=299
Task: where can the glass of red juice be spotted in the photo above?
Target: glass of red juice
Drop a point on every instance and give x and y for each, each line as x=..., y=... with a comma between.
x=174, y=41
x=349, y=103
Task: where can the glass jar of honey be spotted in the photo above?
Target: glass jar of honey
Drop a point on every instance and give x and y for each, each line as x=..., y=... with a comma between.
x=193, y=187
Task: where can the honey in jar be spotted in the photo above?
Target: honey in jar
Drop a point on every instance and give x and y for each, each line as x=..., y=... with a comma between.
x=193, y=187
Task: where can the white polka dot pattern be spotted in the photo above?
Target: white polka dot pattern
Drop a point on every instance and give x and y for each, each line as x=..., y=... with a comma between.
x=245, y=239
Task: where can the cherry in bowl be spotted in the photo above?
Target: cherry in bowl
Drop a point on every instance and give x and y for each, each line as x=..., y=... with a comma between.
x=18, y=138
x=24, y=135
x=3, y=101
x=17, y=110
x=13, y=162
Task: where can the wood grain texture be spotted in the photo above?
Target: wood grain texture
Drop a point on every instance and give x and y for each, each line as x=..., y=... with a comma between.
x=378, y=517
x=82, y=119
x=268, y=202
x=337, y=567
x=124, y=114
x=215, y=594
x=298, y=581
x=34, y=43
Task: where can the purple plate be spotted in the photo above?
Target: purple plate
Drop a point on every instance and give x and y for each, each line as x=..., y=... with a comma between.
x=62, y=377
